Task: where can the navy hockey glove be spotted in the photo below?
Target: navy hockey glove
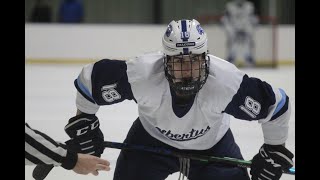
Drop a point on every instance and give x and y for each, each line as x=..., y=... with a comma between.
x=86, y=136
x=270, y=161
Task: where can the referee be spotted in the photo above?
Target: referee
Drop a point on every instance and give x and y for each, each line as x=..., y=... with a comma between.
x=41, y=149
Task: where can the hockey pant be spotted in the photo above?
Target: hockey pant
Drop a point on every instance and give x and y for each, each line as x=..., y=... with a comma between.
x=140, y=165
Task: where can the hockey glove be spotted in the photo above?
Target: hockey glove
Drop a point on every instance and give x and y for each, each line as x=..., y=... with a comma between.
x=270, y=161
x=86, y=136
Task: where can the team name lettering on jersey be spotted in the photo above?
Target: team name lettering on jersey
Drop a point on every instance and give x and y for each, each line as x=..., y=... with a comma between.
x=193, y=134
x=251, y=107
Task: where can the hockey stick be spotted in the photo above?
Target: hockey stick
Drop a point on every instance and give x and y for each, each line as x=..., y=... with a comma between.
x=41, y=171
x=163, y=151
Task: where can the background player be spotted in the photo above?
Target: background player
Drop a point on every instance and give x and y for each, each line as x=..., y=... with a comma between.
x=239, y=21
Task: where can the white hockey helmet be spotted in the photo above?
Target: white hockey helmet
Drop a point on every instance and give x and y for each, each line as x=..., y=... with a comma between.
x=184, y=37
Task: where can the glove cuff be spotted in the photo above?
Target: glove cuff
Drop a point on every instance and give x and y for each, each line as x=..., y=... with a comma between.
x=70, y=161
x=278, y=148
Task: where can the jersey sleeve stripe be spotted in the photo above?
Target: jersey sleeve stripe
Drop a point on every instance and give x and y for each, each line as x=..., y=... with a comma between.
x=40, y=148
x=37, y=145
x=26, y=161
x=41, y=156
x=283, y=110
x=83, y=90
x=281, y=103
x=37, y=135
x=30, y=159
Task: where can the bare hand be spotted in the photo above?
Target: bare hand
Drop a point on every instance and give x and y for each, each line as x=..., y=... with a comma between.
x=90, y=164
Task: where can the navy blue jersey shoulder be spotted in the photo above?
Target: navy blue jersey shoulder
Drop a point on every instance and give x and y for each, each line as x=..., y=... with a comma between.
x=252, y=100
x=110, y=82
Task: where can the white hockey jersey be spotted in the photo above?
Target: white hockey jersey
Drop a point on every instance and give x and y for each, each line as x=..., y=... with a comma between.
x=240, y=17
x=227, y=92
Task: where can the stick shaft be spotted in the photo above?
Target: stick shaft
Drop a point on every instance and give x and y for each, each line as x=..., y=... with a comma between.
x=163, y=151
x=41, y=171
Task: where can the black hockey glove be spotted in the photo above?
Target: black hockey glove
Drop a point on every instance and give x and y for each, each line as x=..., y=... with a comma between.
x=270, y=161
x=86, y=136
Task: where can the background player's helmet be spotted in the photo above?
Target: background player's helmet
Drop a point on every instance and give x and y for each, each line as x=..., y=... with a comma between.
x=185, y=37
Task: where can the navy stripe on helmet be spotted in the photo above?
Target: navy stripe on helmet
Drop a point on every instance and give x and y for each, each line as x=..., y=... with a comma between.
x=184, y=35
x=185, y=51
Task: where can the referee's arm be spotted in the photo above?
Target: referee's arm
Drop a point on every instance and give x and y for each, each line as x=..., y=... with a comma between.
x=41, y=149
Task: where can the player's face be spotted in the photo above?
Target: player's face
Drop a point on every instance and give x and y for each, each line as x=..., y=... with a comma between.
x=186, y=67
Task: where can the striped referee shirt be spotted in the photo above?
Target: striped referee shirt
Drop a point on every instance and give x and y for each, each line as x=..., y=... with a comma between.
x=41, y=149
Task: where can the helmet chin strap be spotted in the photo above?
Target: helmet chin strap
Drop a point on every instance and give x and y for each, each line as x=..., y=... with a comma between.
x=186, y=88
x=182, y=99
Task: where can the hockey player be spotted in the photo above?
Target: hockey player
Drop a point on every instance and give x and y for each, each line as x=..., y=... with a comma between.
x=185, y=99
x=239, y=21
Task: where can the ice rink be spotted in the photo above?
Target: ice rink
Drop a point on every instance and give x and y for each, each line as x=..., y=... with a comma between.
x=50, y=102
